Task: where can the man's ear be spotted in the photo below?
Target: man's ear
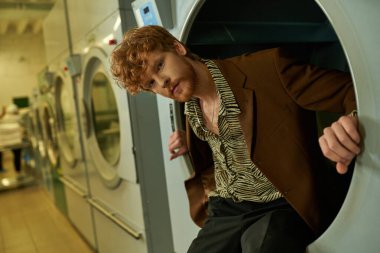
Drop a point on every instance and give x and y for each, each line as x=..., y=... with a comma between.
x=180, y=48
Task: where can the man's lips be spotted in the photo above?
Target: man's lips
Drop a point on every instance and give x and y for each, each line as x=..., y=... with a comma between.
x=174, y=88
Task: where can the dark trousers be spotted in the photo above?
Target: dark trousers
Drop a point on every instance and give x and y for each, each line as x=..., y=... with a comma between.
x=1, y=160
x=249, y=227
x=17, y=159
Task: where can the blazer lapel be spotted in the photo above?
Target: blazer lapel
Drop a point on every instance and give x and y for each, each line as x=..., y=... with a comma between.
x=244, y=98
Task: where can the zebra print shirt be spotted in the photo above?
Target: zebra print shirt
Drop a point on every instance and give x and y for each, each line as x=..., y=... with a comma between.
x=236, y=176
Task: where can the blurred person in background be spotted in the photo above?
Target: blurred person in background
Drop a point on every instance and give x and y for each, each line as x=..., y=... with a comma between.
x=11, y=135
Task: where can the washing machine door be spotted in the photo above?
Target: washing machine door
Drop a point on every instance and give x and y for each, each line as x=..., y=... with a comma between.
x=40, y=140
x=36, y=135
x=33, y=136
x=107, y=129
x=50, y=134
x=65, y=108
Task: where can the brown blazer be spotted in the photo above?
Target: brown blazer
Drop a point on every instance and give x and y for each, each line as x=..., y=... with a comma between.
x=278, y=97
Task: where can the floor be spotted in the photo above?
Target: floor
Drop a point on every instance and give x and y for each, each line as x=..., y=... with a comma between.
x=31, y=223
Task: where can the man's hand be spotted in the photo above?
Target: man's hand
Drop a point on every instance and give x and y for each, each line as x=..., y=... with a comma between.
x=341, y=142
x=177, y=144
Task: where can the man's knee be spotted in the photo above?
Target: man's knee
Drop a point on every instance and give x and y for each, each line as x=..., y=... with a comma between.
x=279, y=231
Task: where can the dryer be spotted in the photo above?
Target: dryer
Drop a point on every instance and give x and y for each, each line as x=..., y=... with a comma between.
x=38, y=147
x=74, y=174
x=356, y=227
x=73, y=170
x=341, y=34
x=116, y=194
x=33, y=133
x=44, y=166
x=48, y=120
x=51, y=162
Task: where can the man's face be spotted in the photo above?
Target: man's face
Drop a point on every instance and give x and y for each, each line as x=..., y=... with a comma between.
x=170, y=74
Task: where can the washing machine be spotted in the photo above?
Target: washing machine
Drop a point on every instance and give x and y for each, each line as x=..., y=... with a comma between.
x=115, y=192
x=36, y=138
x=333, y=33
x=116, y=195
x=50, y=164
x=32, y=134
x=73, y=172
x=48, y=121
x=44, y=165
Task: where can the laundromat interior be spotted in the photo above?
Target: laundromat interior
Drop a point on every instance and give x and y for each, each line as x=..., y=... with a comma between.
x=95, y=173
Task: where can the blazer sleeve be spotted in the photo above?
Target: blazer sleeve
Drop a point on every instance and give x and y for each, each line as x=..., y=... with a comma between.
x=314, y=88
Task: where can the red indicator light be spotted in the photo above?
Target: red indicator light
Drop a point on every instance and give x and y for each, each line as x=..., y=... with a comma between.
x=112, y=42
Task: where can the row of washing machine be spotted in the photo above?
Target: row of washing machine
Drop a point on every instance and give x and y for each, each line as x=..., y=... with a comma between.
x=121, y=191
x=84, y=138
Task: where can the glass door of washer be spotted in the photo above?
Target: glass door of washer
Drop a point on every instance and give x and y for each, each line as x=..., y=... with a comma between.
x=66, y=120
x=103, y=124
x=40, y=141
x=48, y=121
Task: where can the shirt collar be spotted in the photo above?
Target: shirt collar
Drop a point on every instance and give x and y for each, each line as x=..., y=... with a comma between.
x=227, y=99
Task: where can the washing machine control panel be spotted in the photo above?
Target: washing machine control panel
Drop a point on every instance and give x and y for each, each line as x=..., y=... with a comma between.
x=148, y=12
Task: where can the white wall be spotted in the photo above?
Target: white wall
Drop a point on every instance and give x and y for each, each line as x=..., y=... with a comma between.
x=21, y=58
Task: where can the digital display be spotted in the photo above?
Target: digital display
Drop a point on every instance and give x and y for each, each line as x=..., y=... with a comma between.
x=148, y=15
x=146, y=12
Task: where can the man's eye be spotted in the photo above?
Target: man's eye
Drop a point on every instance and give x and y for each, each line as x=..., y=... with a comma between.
x=148, y=85
x=151, y=84
x=160, y=65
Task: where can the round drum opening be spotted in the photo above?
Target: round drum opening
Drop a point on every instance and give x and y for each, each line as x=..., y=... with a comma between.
x=223, y=29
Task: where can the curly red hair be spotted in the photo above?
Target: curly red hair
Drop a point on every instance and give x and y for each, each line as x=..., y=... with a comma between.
x=128, y=60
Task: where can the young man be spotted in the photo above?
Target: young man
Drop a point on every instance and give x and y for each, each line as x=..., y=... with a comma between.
x=252, y=138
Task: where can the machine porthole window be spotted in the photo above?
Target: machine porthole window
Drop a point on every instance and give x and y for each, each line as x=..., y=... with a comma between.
x=105, y=118
x=66, y=113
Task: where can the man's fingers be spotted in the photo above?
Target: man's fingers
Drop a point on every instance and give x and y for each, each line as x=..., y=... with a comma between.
x=338, y=135
x=350, y=125
x=333, y=146
x=177, y=153
x=327, y=151
x=341, y=168
x=341, y=163
x=177, y=144
x=341, y=142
